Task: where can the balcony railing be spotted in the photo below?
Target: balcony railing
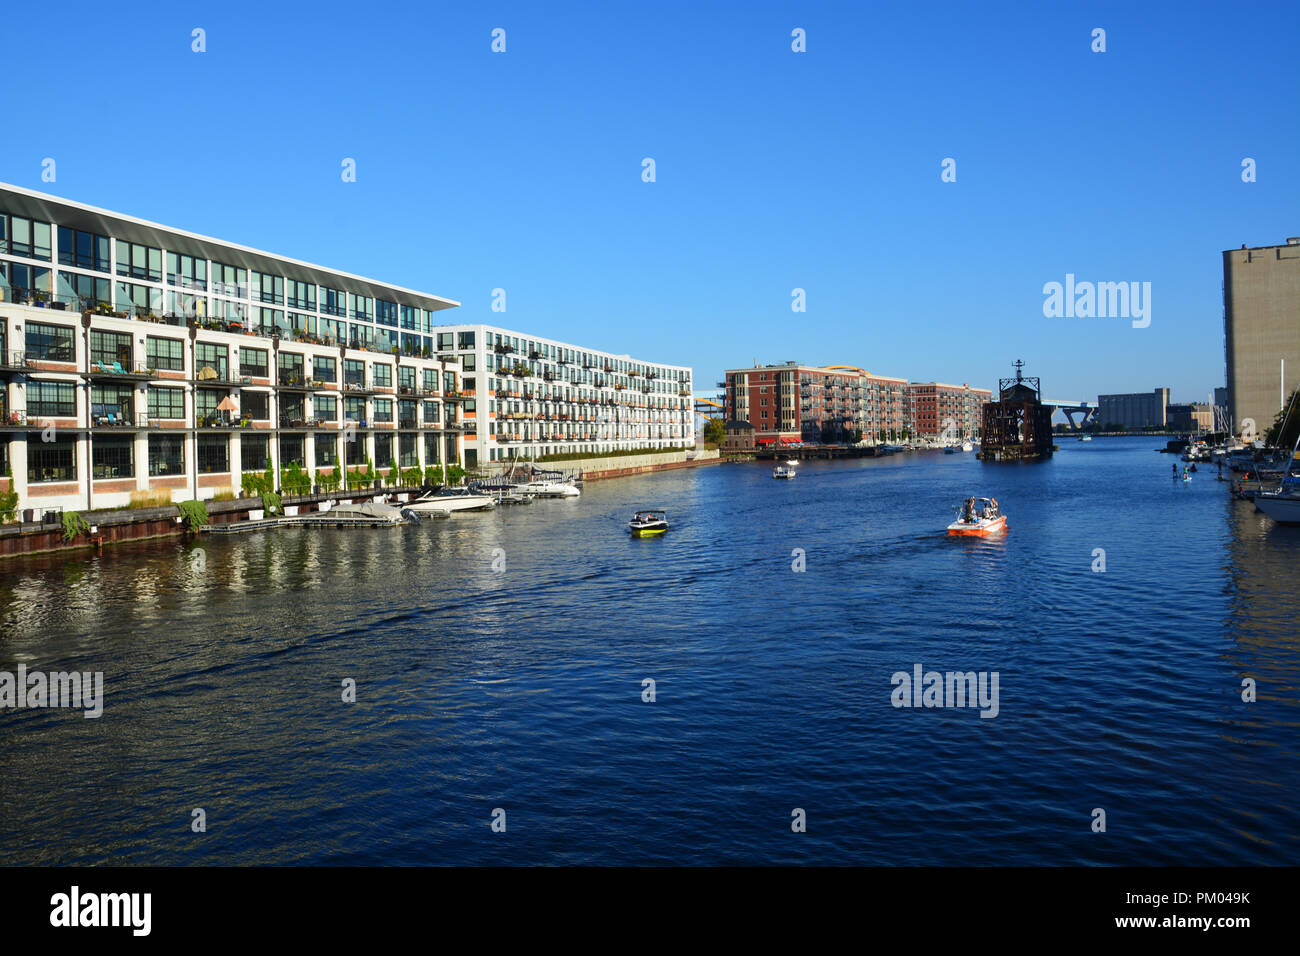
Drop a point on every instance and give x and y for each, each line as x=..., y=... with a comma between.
x=407, y=423
x=14, y=361
x=292, y=378
x=119, y=418
x=119, y=369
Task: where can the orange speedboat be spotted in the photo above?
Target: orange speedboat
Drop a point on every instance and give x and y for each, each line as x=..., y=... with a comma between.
x=979, y=517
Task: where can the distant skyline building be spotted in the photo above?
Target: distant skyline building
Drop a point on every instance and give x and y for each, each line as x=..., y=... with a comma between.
x=1261, y=329
x=788, y=403
x=1190, y=417
x=1134, y=410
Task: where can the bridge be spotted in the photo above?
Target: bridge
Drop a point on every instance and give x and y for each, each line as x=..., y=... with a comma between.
x=1071, y=408
x=709, y=406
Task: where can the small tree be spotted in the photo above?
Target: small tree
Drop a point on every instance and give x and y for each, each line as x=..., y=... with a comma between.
x=715, y=431
x=1282, y=433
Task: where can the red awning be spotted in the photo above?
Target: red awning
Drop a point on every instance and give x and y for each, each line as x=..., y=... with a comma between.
x=789, y=441
x=765, y=441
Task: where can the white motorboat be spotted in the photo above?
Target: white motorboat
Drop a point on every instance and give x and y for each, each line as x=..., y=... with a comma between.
x=792, y=462
x=549, y=489
x=359, y=513
x=452, y=499
x=783, y=471
x=1085, y=438
x=967, y=446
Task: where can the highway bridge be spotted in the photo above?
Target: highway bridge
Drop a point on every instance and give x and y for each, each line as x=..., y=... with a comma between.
x=1071, y=408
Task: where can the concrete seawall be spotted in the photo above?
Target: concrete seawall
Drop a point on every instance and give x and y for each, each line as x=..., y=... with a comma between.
x=620, y=466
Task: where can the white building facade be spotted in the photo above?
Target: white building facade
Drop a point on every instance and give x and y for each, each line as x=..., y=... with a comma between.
x=139, y=358
x=528, y=397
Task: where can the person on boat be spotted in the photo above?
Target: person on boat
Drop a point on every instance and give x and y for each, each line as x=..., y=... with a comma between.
x=993, y=508
x=968, y=513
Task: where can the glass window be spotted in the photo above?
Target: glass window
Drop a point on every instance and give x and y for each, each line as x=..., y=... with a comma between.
x=408, y=450
x=383, y=376
x=327, y=450
x=354, y=409
x=326, y=408
x=187, y=271
x=213, y=454
x=51, y=343
x=268, y=288
x=356, y=452
x=166, y=403
x=383, y=450
x=255, y=405
x=109, y=347
x=253, y=363
x=333, y=301
x=53, y=399
x=254, y=450
x=210, y=361
x=85, y=250
x=113, y=456
x=137, y=261
x=293, y=448
x=354, y=373
x=206, y=401
x=115, y=400
x=52, y=460
x=166, y=453
x=325, y=369
x=383, y=409
x=165, y=353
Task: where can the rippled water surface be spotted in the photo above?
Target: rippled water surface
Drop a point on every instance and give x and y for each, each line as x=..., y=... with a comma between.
x=522, y=690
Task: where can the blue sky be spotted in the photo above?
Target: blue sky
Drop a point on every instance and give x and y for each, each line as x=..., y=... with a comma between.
x=775, y=170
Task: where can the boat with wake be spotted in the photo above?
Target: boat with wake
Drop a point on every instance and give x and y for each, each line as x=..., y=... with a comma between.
x=978, y=517
x=648, y=524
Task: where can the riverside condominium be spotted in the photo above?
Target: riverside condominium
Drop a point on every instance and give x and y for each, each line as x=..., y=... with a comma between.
x=527, y=397
x=139, y=358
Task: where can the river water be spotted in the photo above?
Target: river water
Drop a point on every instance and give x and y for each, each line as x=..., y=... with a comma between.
x=521, y=689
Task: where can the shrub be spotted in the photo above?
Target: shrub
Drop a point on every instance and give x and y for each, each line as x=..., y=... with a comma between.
x=73, y=525
x=195, y=514
x=225, y=494
x=271, y=503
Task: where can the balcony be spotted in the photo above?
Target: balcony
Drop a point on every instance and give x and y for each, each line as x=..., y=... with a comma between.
x=14, y=363
x=292, y=379
x=354, y=386
x=324, y=385
x=407, y=424
x=122, y=371
x=220, y=420
x=503, y=348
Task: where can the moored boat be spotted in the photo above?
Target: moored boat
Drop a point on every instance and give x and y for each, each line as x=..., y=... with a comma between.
x=452, y=499
x=783, y=471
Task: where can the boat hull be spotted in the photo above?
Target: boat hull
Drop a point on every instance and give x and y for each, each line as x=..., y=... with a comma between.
x=978, y=529
x=1284, y=509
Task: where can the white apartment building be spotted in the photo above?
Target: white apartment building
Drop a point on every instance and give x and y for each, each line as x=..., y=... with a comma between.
x=528, y=396
x=137, y=357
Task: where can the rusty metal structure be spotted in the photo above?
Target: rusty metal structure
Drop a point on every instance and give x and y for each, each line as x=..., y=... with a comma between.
x=1018, y=426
